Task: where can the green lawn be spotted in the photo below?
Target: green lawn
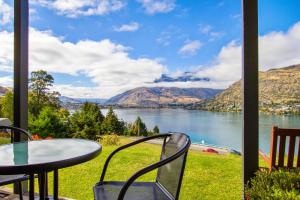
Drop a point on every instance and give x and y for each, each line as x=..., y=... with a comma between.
x=206, y=176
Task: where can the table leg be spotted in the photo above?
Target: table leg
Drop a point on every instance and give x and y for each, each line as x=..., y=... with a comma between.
x=55, y=185
x=46, y=187
x=42, y=177
x=31, y=187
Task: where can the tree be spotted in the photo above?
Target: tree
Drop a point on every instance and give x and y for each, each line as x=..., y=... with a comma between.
x=6, y=106
x=40, y=95
x=49, y=123
x=139, y=128
x=111, y=123
x=156, y=130
x=86, y=123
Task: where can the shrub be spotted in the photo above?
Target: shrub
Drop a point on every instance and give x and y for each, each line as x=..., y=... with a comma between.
x=86, y=122
x=111, y=123
x=112, y=139
x=49, y=124
x=276, y=185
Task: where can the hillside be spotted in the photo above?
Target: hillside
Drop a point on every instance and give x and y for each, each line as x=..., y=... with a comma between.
x=161, y=96
x=279, y=92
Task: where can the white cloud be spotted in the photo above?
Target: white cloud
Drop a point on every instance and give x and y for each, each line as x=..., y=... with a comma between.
x=110, y=67
x=205, y=29
x=75, y=8
x=133, y=26
x=276, y=49
x=158, y=6
x=6, y=81
x=107, y=64
x=6, y=53
x=190, y=48
x=6, y=13
x=209, y=31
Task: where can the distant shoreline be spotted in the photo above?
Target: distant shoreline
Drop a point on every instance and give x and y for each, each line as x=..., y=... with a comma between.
x=205, y=110
x=198, y=147
x=261, y=111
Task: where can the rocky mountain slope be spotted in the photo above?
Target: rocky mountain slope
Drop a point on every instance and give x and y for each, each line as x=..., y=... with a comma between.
x=161, y=96
x=279, y=92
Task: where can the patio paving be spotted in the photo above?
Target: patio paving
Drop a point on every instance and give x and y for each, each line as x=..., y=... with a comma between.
x=6, y=194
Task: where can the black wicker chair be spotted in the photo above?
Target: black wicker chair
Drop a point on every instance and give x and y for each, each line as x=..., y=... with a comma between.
x=9, y=179
x=169, y=175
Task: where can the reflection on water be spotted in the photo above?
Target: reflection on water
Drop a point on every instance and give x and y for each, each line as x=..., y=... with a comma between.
x=222, y=129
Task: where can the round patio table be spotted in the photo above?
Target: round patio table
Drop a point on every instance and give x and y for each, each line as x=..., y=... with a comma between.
x=42, y=156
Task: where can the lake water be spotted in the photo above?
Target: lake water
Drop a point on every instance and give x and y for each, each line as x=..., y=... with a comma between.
x=214, y=128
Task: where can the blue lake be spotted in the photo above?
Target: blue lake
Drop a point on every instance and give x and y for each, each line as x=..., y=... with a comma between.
x=221, y=129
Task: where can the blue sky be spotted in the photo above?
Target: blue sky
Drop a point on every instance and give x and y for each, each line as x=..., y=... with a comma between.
x=99, y=48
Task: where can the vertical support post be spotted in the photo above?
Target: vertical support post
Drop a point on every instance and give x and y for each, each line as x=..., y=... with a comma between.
x=21, y=64
x=20, y=106
x=250, y=89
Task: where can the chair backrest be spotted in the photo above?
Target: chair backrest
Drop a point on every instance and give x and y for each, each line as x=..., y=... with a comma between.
x=12, y=132
x=169, y=176
x=281, y=135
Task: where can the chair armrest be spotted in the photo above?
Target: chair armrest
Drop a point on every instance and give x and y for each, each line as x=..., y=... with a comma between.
x=17, y=129
x=126, y=146
x=152, y=167
x=265, y=157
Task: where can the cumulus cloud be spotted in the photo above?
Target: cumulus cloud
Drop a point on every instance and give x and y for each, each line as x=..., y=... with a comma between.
x=6, y=81
x=112, y=70
x=276, y=49
x=133, y=26
x=107, y=64
x=6, y=13
x=75, y=8
x=190, y=48
x=158, y=6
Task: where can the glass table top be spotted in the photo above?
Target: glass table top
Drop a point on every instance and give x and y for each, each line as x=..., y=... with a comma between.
x=46, y=151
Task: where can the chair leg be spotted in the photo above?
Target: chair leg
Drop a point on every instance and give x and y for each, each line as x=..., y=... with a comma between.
x=20, y=190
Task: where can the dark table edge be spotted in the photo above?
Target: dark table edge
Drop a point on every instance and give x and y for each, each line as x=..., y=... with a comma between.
x=45, y=167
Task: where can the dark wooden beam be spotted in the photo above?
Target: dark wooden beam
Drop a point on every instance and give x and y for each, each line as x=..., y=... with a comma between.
x=21, y=64
x=250, y=88
x=20, y=106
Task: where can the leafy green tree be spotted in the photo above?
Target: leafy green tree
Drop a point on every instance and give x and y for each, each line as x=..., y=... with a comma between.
x=40, y=95
x=111, y=124
x=86, y=123
x=139, y=128
x=156, y=130
x=49, y=123
x=6, y=106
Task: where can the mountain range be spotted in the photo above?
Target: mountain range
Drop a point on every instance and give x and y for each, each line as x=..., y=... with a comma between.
x=279, y=92
x=65, y=99
x=161, y=96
